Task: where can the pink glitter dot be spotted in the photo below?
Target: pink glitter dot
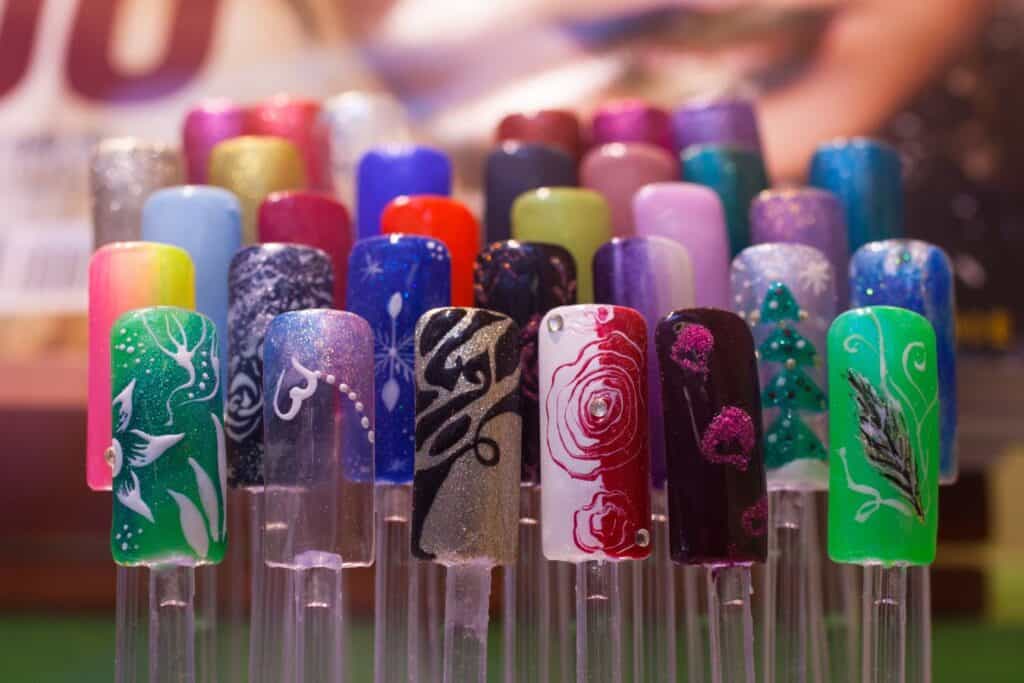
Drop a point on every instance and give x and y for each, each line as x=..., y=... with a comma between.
x=692, y=350
x=729, y=438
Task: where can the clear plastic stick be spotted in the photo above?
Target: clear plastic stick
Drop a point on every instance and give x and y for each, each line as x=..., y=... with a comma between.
x=427, y=616
x=467, y=597
x=787, y=599
x=239, y=592
x=206, y=624
x=731, y=624
x=129, y=625
x=319, y=632
x=527, y=608
x=819, y=651
x=392, y=651
x=172, y=624
x=598, y=623
x=659, y=598
x=261, y=642
x=563, y=659
x=885, y=624
x=695, y=649
x=919, y=624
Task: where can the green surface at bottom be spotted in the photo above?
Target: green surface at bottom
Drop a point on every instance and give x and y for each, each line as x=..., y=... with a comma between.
x=60, y=649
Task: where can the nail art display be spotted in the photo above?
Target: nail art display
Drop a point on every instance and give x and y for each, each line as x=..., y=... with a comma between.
x=555, y=127
x=632, y=121
x=884, y=433
x=293, y=118
x=917, y=276
x=124, y=276
x=867, y=177
x=166, y=448
x=385, y=173
x=786, y=293
x=578, y=220
x=717, y=493
x=252, y=167
x=264, y=281
x=525, y=280
x=517, y=167
x=466, y=487
x=805, y=215
x=122, y=174
x=691, y=215
x=594, y=456
x=654, y=276
x=717, y=122
x=737, y=175
x=319, y=410
x=446, y=220
x=352, y=123
x=207, y=223
x=618, y=170
x=314, y=219
x=392, y=281
x=207, y=124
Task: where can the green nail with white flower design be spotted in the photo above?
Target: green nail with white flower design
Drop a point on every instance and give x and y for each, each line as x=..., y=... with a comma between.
x=884, y=438
x=167, y=447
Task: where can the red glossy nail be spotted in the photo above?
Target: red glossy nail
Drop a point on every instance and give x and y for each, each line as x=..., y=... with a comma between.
x=447, y=220
x=313, y=219
x=618, y=170
x=555, y=127
x=294, y=119
x=205, y=125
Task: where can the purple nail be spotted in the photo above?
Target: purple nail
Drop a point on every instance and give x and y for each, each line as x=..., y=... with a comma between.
x=805, y=215
x=721, y=122
x=653, y=275
x=632, y=121
x=618, y=170
x=693, y=216
x=206, y=124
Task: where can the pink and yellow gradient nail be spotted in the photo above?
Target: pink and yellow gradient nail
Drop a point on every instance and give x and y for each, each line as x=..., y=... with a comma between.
x=124, y=276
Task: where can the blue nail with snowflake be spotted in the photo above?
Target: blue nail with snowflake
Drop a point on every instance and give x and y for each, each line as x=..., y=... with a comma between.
x=167, y=449
x=392, y=281
x=263, y=281
x=319, y=411
x=917, y=276
x=787, y=294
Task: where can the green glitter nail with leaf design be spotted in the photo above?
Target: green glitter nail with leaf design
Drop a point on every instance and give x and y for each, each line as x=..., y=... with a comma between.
x=167, y=449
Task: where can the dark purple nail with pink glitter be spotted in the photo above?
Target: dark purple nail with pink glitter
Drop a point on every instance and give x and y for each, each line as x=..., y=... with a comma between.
x=717, y=497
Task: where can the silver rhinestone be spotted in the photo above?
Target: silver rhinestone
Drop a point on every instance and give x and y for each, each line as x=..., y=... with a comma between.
x=643, y=538
x=108, y=455
x=598, y=407
x=555, y=323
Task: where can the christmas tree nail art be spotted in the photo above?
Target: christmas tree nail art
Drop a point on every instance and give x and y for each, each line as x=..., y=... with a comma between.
x=786, y=292
x=167, y=448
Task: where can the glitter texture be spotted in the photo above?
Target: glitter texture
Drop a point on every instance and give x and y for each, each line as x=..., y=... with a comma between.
x=319, y=461
x=805, y=215
x=392, y=281
x=468, y=430
x=252, y=167
x=264, y=281
x=122, y=174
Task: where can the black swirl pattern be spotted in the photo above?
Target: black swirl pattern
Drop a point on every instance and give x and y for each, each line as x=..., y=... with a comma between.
x=263, y=281
x=467, y=404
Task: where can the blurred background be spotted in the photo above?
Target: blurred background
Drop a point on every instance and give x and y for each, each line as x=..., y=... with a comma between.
x=939, y=79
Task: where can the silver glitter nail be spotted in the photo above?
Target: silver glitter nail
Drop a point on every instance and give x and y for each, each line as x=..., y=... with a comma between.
x=123, y=172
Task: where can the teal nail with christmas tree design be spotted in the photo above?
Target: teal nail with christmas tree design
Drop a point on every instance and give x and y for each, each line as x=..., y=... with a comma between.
x=167, y=448
x=787, y=293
